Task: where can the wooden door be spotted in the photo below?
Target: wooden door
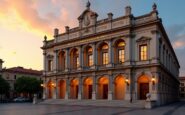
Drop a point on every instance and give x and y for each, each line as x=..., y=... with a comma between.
x=105, y=91
x=144, y=89
x=76, y=91
x=90, y=92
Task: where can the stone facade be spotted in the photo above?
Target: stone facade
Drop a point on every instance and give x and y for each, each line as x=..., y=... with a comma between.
x=114, y=59
x=182, y=87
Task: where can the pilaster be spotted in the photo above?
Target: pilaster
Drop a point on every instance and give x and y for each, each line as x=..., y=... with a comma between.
x=67, y=60
x=80, y=89
x=67, y=89
x=94, y=88
x=110, y=91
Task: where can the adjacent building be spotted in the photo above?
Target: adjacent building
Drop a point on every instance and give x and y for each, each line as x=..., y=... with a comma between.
x=12, y=74
x=115, y=59
x=182, y=87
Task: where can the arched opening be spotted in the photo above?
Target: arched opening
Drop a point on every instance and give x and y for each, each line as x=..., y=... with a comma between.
x=50, y=89
x=103, y=88
x=119, y=88
x=103, y=54
x=88, y=56
x=74, y=59
x=62, y=89
x=119, y=50
x=61, y=61
x=143, y=87
x=74, y=88
x=87, y=88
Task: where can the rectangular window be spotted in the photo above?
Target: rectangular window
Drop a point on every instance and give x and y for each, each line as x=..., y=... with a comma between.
x=15, y=77
x=50, y=65
x=121, y=55
x=182, y=84
x=90, y=60
x=143, y=52
x=105, y=58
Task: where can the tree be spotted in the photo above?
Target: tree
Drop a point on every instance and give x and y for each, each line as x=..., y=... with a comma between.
x=4, y=87
x=28, y=85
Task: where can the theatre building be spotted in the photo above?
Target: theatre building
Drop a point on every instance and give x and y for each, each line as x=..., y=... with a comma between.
x=113, y=59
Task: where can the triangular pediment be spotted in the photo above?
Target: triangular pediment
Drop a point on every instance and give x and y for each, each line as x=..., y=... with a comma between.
x=143, y=38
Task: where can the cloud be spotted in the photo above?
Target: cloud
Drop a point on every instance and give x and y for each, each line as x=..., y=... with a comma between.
x=39, y=16
x=176, y=34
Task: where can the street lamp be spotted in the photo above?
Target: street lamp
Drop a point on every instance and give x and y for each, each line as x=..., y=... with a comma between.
x=153, y=80
x=127, y=81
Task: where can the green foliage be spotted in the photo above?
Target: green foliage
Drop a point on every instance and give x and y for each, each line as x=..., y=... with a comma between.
x=27, y=85
x=4, y=86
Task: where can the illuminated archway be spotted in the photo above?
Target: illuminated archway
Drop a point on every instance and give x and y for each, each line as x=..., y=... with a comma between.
x=50, y=89
x=143, y=87
x=74, y=89
x=119, y=87
x=62, y=89
x=103, y=83
x=87, y=88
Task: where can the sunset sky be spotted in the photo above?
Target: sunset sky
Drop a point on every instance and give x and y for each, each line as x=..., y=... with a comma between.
x=23, y=24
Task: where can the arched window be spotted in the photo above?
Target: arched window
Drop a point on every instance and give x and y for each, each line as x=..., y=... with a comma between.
x=75, y=59
x=105, y=54
x=89, y=56
x=121, y=51
x=61, y=61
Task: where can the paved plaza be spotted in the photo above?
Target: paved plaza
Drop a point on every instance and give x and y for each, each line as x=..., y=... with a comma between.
x=44, y=109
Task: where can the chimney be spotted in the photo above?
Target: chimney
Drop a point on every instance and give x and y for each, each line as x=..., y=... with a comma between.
x=128, y=10
x=67, y=29
x=56, y=32
x=110, y=16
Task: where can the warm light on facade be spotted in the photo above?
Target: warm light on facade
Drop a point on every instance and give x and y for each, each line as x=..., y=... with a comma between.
x=153, y=80
x=127, y=81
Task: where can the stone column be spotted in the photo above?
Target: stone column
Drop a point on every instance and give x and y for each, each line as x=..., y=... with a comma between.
x=80, y=89
x=110, y=53
x=55, y=61
x=128, y=50
x=110, y=87
x=94, y=55
x=44, y=89
x=67, y=60
x=80, y=57
x=67, y=89
x=94, y=88
x=54, y=92
x=129, y=87
x=57, y=89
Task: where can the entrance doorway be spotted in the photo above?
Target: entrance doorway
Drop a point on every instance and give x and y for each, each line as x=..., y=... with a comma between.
x=50, y=91
x=74, y=89
x=119, y=88
x=143, y=87
x=62, y=88
x=87, y=88
x=105, y=91
x=103, y=84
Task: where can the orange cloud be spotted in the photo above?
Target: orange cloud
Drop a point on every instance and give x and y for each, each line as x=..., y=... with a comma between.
x=179, y=44
x=26, y=14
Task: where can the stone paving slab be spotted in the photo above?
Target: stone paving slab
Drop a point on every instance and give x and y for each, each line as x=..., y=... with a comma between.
x=103, y=103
